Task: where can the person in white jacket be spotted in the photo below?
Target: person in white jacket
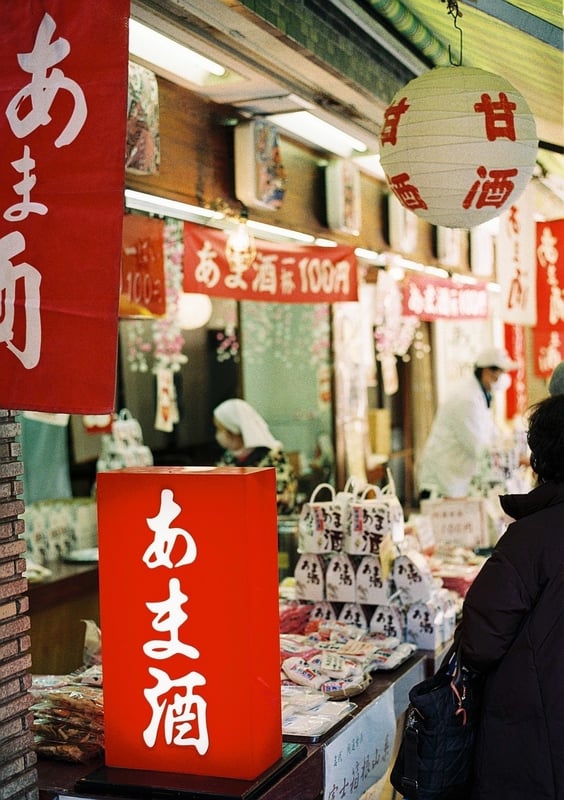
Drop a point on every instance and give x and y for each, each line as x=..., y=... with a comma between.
x=463, y=430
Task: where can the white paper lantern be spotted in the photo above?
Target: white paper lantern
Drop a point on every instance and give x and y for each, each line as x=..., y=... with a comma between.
x=458, y=146
x=194, y=310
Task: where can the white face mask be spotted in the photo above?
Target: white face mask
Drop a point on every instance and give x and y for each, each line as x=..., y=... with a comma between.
x=502, y=384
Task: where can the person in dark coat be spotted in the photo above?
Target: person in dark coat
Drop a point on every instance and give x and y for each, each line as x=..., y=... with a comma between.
x=512, y=631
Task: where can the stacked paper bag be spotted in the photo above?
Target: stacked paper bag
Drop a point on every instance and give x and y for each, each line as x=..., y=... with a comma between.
x=358, y=566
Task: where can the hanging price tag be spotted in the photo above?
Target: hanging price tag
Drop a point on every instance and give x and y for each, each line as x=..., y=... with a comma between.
x=142, y=268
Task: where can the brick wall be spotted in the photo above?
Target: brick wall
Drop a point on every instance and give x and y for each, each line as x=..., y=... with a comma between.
x=18, y=776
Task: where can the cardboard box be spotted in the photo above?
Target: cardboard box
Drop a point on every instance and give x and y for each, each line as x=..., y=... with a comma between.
x=340, y=579
x=371, y=587
x=424, y=625
x=380, y=430
x=387, y=620
x=310, y=577
x=412, y=577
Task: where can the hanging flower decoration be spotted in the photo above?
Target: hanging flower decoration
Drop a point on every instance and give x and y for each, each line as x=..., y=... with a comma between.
x=167, y=334
x=166, y=342
x=227, y=345
x=271, y=330
x=137, y=347
x=227, y=342
x=394, y=332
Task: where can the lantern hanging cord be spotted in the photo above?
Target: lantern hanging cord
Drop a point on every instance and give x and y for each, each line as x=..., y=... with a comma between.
x=455, y=12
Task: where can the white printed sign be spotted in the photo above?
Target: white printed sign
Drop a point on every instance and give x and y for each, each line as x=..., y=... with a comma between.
x=361, y=752
x=460, y=520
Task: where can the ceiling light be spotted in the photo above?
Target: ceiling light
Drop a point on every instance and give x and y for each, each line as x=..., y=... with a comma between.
x=311, y=129
x=274, y=233
x=371, y=165
x=152, y=204
x=140, y=201
x=171, y=57
x=320, y=242
x=370, y=255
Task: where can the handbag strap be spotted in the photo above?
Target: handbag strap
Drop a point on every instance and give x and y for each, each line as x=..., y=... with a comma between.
x=452, y=667
x=451, y=663
x=410, y=746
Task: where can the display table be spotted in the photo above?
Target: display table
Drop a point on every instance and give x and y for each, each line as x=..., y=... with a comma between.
x=302, y=779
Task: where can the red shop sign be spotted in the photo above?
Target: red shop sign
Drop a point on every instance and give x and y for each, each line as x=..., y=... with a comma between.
x=280, y=273
x=432, y=298
x=192, y=648
x=63, y=97
x=549, y=331
x=516, y=397
x=143, y=289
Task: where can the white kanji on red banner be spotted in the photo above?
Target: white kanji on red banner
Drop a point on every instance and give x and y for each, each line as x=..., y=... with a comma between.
x=63, y=96
x=279, y=273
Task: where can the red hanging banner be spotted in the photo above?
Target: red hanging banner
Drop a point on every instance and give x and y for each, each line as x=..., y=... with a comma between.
x=63, y=99
x=549, y=331
x=143, y=289
x=516, y=397
x=433, y=298
x=279, y=273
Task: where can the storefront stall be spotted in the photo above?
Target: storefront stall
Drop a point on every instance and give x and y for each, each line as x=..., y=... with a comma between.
x=347, y=348
x=309, y=772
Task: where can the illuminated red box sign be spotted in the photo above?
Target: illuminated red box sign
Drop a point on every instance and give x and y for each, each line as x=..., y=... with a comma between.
x=189, y=617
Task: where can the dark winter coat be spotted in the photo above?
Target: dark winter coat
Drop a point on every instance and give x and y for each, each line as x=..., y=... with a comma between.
x=513, y=632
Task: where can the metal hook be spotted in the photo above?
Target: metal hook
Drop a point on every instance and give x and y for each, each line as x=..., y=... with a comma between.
x=454, y=63
x=454, y=12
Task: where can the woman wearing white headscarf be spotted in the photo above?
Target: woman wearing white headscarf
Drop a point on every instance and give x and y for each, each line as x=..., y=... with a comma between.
x=248, y=442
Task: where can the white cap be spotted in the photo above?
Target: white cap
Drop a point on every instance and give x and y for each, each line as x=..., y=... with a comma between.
x=496, y=357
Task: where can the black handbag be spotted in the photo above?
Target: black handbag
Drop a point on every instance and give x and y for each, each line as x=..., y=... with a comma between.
x=434, y=760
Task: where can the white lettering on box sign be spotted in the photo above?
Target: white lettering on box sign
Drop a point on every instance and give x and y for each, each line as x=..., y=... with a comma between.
x=175, y=707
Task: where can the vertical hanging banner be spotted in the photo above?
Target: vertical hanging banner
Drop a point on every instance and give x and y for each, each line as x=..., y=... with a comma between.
x=549, y=331
x=516, y=262
x=516, y=397
x=279, y=273
x=62, y=125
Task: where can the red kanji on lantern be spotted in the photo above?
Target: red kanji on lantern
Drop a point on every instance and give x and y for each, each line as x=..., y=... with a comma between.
x=407, y=194
x=500, y=122
x=392, y=116
x=493, y=192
